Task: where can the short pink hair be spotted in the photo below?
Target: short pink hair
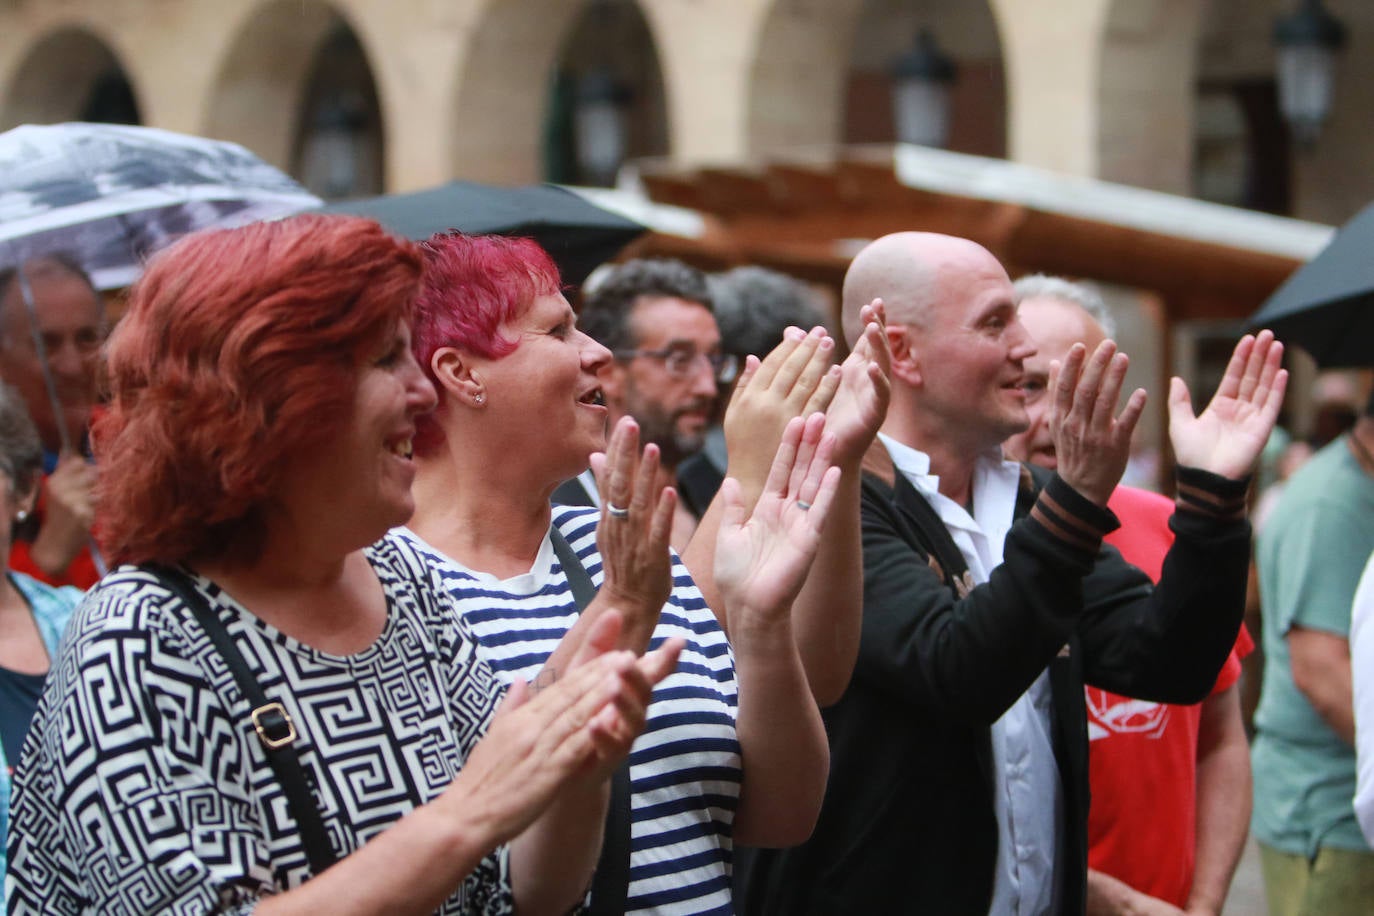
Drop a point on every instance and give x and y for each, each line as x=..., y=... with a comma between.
x=473, y=286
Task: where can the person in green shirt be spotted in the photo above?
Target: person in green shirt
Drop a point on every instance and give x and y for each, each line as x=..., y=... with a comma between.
x=1310, y=554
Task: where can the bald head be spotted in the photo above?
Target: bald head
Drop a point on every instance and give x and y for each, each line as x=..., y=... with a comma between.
x=912, y=273
x=956, y=346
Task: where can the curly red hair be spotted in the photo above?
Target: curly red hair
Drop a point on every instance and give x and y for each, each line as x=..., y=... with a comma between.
x=238, y=348
x=473, y=285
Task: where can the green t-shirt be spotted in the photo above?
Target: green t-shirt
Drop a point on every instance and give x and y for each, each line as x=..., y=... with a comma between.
x=1310, y=556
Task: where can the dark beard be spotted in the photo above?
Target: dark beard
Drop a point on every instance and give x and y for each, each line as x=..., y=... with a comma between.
x=673, y=447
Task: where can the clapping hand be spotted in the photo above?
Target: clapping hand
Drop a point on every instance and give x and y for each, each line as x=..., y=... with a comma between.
x=761, y=561
x=68, y=514
x=796, y=379
x=633, y=546
x=1092, y=442
x=578, y=727
x=1227, y=437
x=860, y=403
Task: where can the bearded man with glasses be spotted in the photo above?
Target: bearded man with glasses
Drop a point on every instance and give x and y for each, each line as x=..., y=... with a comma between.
x=657, y=319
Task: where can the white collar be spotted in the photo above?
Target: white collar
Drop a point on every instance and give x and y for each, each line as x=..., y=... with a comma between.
x=994, y=486
x=911, y=463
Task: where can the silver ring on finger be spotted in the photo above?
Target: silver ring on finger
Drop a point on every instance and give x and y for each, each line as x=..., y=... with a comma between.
x=803, y=504
x=615, y=511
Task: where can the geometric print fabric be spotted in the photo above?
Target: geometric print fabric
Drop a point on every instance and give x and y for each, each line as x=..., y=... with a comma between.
x=143, y=788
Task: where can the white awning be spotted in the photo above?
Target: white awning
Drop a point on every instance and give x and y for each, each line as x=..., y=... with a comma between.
x=944, y=172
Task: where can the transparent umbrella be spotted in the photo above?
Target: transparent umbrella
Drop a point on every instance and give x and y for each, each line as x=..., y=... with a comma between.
x=108, y=195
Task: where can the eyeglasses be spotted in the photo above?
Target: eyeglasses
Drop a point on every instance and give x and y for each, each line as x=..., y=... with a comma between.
x=682, y=361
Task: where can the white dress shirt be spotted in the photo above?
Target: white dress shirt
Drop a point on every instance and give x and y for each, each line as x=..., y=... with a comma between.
x=1026, y=794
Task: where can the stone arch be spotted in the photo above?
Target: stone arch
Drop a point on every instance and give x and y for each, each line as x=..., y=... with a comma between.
x=1333, y=179
x=819, y=78
x=968, y=32
x=70, y=74
x=266, y=88
x=1168, y=67
x=505, y=84
x=798, y=73
x=615, y=36
x=1236, y=69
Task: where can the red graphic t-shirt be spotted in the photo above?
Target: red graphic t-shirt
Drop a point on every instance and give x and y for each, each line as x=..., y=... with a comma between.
x=1142, y=756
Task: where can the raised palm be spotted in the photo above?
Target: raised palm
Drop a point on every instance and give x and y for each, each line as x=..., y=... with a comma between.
x=796, y=379
x=761, y=561
x=1228, y=436
x=860, y=403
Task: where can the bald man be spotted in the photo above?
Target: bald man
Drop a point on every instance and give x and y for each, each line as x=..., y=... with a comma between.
x=958, y=776
x=1170, y=784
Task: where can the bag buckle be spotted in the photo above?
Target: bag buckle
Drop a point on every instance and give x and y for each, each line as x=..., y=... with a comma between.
x=274, y=726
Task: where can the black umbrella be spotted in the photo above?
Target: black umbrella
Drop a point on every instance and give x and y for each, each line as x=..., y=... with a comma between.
x=577, y=233
x=1327, y=305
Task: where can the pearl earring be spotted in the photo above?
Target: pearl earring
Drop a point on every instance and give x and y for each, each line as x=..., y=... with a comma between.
x=21, y=516
x=479, y=398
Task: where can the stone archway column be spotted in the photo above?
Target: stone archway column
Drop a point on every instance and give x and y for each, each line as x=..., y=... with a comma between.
x=414, y=48
x=1053, y=60
x=706, y=51
x=1103, y=88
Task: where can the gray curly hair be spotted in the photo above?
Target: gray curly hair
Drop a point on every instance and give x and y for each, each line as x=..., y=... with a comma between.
x=1083, y=295
x=754, y=305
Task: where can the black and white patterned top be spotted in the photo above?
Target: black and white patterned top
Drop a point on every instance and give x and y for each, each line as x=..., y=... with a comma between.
x=142, y=788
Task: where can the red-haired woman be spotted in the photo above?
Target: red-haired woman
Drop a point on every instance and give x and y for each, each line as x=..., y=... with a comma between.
x=734, y=749
x=258, y=441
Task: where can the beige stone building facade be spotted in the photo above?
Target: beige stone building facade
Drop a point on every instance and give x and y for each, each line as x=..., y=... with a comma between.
x=1175, y=95
x=1170, y=95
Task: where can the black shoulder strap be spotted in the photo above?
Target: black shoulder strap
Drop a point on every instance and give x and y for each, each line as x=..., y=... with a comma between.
x=929, y=529
x=273, y=726
x=933, y=530
x=611, y=883
x=578, y=579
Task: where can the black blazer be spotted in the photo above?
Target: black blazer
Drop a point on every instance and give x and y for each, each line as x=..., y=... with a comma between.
x=908, y=824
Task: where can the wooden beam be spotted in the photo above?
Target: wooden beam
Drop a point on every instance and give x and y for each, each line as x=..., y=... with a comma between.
x=797, y=216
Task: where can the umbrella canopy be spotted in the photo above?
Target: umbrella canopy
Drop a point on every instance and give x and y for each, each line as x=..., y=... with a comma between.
x=1327, y=305
x=110, y=194
x=577, y=233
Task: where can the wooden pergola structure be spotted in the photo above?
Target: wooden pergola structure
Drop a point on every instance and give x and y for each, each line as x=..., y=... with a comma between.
x=809, y=219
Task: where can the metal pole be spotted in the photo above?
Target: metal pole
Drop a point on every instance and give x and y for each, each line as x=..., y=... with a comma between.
x=54, y=400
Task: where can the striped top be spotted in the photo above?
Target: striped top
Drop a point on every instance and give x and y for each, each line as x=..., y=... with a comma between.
x=685, y=767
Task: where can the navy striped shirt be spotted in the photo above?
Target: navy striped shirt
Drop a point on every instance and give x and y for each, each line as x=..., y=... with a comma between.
x=685, y=768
